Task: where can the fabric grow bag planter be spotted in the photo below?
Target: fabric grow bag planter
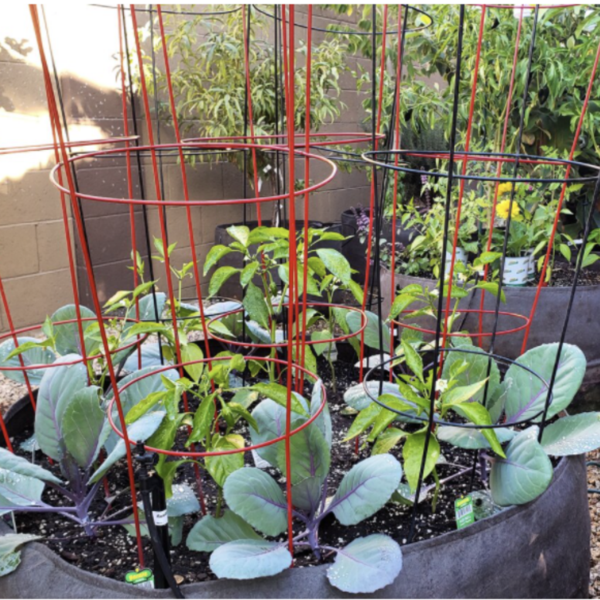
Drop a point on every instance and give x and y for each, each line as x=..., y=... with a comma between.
x=583, y=330
x=539, y=550
x=355, y=251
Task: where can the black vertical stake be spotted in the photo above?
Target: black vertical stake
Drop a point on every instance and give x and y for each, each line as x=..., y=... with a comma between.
x=438, y=333
x=152, y=490
x=159, y=505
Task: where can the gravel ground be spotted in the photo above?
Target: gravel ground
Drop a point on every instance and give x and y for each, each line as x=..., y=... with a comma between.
x=594, y=503
x=11, y=391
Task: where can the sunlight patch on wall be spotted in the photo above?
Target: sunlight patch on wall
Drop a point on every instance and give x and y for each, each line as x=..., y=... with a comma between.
x=34, y=129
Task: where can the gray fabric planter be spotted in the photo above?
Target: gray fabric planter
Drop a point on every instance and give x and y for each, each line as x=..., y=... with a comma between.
x=583, y=330
x=540, y=550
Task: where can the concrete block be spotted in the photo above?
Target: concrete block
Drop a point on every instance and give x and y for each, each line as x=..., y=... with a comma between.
x=18, y=251
x=34, y=297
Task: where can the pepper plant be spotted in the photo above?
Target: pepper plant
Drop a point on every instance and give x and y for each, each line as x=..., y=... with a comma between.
x=265, y=254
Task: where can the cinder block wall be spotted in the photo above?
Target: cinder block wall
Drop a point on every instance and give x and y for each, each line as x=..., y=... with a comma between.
x=33, y=251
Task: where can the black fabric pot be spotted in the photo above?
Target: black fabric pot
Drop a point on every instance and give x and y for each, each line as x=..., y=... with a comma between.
x=355, y=251
x=539, y=550
x=546, y=327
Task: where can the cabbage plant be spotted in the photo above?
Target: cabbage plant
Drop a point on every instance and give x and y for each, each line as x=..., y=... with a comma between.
x=257, y=506
x=515, y=462
x=71, y=428
x=61, y=339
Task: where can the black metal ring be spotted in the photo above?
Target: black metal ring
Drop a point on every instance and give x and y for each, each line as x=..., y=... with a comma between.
x=339, y=32
x=498, y=358
x=523, y=158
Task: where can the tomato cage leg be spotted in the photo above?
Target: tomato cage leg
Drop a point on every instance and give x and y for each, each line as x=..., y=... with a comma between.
x=562, y=197
x=55, y=118
x=160, y=211
x=396, y=146
x=499, y=168
x=136, y=138
x=376, y=128
x=292, y=258
x=465, y=164
x=162, y=220
x=301, y=345
x=189, y=224
x=129, y=177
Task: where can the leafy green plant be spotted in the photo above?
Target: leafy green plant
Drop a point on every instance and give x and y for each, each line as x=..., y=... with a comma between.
x=71, y=429
x=257, y=503
x=222, y=401
x=515, y=465
x=265, y=254
x=62, y=337
x=208, y=79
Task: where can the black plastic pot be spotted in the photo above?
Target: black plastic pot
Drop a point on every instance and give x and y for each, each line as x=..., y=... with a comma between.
x=546, y=327
x=539, y=550
x=355, y=251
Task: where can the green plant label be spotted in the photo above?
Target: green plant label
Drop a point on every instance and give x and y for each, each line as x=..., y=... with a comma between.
x=143, y=578
x=463, y=507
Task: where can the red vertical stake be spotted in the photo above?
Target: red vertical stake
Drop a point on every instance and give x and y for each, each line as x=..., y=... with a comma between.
x=129, y=176
x=302, y=341
x=161, y=216
x=94, y=292
x=499, y=168
x=292, y=258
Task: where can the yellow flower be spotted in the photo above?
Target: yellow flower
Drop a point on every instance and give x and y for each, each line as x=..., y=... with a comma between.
x=503, y=207
x=505, y=188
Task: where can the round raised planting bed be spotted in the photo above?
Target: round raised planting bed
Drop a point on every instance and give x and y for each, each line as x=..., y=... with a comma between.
x=546, y=327
x=539, y=550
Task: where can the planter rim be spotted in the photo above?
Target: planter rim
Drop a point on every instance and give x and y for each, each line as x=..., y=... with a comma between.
x=525, y=289
x=203, y=588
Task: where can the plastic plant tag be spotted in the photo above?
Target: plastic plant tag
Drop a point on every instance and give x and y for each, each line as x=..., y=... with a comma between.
x=160, y=517
x=144, y=578
x=463, y=508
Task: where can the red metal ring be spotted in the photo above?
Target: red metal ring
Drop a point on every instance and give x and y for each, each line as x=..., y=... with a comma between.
x=364, y=320
x=71, y=362
x=132, y=201
x=222, y=452
x=469, y=335
x=41, y=147
x=358, y=138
